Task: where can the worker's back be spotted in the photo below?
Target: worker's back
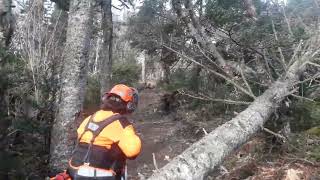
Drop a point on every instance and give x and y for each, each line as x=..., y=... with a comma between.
x=106, y=139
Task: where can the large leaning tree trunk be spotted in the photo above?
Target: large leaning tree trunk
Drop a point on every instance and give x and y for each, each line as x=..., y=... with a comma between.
x=209, y=152
x=105, y=57
x=73, y=79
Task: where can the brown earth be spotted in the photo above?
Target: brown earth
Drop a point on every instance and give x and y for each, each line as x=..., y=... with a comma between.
x=163, y=134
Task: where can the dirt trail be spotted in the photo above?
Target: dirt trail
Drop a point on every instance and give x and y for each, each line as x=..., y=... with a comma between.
x=164, y=135
x=159, y=134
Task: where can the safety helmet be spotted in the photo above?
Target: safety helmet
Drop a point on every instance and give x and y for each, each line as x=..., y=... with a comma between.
x=128, y=94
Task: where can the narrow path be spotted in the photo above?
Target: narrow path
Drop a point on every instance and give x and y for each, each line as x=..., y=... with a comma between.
x=158, y=133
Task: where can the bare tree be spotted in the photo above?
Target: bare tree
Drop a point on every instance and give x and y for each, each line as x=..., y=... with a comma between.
x=6, y=22
x=73, y=79
x=105, y=55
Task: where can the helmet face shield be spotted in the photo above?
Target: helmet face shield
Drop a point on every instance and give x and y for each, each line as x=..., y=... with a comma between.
x=115, y=98
x=122, y=93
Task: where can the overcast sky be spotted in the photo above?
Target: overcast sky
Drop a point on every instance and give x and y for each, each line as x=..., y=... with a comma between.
x=120, y=14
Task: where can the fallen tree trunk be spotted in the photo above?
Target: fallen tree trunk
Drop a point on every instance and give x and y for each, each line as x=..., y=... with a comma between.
x=209, y=152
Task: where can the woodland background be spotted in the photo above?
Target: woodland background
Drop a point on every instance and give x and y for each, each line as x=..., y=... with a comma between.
x=197, y=65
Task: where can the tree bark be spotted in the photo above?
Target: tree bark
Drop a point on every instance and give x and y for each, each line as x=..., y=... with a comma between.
x=73, y=79
x=250, y=8
x=6, y=23
x=106, y=49
x=142, y=57
x=6, y=30
x=195, y=78
x=206, y=154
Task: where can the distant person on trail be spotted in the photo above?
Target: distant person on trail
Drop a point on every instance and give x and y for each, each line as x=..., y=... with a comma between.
x=106, y=139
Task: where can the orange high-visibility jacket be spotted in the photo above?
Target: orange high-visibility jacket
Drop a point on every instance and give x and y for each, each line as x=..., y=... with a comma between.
x=120, y=132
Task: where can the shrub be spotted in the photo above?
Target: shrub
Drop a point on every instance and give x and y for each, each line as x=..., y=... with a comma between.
x=125, y=73
x=306, y=115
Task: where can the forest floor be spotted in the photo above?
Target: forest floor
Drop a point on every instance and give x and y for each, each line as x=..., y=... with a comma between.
x=167, y=134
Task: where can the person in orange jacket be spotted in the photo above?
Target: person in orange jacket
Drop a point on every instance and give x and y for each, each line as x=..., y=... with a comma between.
x=107, y=139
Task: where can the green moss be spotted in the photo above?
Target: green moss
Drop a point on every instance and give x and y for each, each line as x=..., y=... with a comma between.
x=314, y=131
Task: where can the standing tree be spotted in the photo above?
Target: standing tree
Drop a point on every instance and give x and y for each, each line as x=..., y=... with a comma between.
x=105, y=57
x=6, y=22
x=73, y=81
x=6, y=29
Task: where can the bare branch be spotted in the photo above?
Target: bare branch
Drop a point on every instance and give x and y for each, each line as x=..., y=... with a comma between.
x=196, y=30
x=314, y=64
x=206, y=98
x=117, y=8
x=297, y=49
x=212, y=71
x=301, y=97
x=124, y=4
x=284, y=139
x=267, y=66
x=154, y=161
x=204, y=131
x=283, y=61
x=310, y=79
x=245, y=81
x=287, y=21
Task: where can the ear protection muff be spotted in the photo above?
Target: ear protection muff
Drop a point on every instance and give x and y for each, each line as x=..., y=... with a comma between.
x=104, y=97
x=132, y=105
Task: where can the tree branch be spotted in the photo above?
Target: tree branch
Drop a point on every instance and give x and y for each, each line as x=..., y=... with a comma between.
x=212, y=71
x=283, y=62
x=206, y=98
x=124, y=4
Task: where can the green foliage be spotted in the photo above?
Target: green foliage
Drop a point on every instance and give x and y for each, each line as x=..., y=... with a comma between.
x=227, y=12
x=222, y=12
x=314, y=131
x=92, y=98
x=306, y=115
x=150, y=9
x=315, y=153
x=11, y=163
x=126, y=73
x=22, y=117
x=179, y=79
x=305, y=146
x=158, y=25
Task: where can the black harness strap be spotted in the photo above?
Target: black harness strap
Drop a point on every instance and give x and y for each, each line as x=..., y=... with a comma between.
x=86, y=127
x=96, y=128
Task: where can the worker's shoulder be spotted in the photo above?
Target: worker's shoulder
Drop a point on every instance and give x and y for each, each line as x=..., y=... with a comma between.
x=102, y=115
